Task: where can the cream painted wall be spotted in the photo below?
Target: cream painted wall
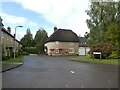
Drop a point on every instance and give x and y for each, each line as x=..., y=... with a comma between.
x=63, y=45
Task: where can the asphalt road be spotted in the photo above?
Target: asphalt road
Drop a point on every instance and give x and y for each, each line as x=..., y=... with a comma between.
x=60, y=72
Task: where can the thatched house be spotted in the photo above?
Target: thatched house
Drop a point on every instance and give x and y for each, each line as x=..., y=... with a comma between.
x=62, y=42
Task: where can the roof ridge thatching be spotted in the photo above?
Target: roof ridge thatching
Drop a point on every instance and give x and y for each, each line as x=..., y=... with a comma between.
x=63, y=35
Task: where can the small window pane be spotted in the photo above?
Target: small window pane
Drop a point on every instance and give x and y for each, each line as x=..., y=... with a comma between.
x=71, y=50
x=56, y=50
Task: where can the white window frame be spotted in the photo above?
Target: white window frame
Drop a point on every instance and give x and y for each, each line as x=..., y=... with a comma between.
x=71, y=50
x=56, y=50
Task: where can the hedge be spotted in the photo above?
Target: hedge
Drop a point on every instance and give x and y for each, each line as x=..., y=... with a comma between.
x=32, y=50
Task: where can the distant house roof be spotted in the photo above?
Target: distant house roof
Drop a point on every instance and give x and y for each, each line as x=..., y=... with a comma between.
x=82, y=42
x=4, y=30
x=63, y=35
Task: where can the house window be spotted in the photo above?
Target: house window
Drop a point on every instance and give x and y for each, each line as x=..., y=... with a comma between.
x=56, y=50
x=71, y=50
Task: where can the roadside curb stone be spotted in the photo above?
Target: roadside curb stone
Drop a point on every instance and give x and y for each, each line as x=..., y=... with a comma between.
x=10, y=66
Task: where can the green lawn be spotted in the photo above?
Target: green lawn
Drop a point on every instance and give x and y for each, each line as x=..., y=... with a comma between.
x=102, y=61
x=17, y=60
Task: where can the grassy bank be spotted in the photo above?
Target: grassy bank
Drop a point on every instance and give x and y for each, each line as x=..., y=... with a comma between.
x=102, y=61
x=16, y=60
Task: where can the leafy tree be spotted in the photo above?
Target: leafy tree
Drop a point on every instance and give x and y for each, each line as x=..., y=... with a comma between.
x=40, y=38
x=101, y=14
x=104, y=24
x=27, y=40
x=113, y=36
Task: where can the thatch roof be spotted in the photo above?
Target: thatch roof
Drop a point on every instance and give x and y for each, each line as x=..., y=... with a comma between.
x=63, y=35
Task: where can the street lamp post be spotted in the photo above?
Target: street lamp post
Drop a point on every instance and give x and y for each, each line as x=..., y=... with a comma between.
x=15, y=39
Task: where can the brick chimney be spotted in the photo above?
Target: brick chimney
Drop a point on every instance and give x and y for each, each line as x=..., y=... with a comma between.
x=55, y=29
x=9, y=29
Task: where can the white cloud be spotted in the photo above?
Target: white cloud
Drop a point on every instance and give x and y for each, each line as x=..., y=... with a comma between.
x=12, y=21
x=69, y=14
x=32, y=24
x=62, y=13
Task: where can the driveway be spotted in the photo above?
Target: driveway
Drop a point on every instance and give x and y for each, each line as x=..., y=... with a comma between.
x=60, y=72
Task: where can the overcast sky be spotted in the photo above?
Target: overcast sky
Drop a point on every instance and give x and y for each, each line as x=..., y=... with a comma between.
x=33, y=14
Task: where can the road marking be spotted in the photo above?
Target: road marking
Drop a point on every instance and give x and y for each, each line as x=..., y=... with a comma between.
x=72, y=72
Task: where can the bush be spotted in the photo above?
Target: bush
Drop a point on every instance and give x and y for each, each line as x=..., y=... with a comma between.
x=105, y=48
x=32, y=50
x=16, y=54
x=90, y=55
x=113, y=55
x=24, y=53
x=5, y=57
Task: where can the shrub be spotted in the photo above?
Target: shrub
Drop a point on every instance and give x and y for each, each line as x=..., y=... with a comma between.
x=24, y=53
x=113, y=55
x=16, y=54
x=105, y=48
x=5, y=57
x=90, y=55
x=32, y=50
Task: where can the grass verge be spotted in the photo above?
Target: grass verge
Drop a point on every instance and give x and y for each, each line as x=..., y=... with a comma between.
x=16, y=60
x=102, y=61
